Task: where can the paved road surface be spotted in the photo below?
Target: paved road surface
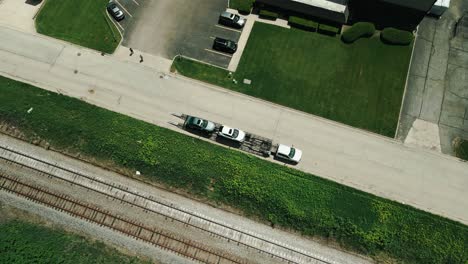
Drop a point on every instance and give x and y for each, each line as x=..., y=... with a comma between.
x=169, y=28
x=372, y=163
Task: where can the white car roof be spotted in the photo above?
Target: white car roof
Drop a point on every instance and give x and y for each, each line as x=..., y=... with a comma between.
x=283, y=149
x=225, y=130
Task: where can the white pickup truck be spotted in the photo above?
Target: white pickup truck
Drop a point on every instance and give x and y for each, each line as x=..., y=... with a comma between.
x=288, y=153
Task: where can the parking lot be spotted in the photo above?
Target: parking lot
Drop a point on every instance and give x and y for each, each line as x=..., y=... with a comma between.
x=171, y=27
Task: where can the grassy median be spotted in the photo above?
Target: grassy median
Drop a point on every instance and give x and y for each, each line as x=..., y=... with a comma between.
x=359, y=84
x=83, y=22
x=268, y=191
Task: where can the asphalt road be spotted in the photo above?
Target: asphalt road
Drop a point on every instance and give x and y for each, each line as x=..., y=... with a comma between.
x=177, y=27
x=424, y=179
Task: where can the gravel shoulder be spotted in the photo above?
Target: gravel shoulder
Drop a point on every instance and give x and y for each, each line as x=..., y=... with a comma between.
x=239, y=222
x=50, y=217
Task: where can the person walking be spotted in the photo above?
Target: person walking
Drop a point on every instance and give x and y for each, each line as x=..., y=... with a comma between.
x=131, y=51
x=141, y=58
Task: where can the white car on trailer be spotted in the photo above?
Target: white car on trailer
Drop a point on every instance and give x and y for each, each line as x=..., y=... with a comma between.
x=231, y=133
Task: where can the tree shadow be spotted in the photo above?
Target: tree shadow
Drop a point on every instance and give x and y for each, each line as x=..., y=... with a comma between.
x=33, y=2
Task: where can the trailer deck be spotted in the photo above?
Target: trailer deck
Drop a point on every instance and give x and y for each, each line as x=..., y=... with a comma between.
x=252, y=143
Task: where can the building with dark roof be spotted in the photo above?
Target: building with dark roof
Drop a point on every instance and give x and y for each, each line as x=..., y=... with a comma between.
x=403, y=14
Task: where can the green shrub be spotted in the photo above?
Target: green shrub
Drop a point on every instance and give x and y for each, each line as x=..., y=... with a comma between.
x=396, y=36
x=329, y=30
x=358, y=30
x=461, y=149
x=268, y=14
x=302, y=23
x=243, y=6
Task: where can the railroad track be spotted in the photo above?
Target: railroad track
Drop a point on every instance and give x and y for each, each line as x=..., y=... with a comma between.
x=130, y=228
x=148, y=203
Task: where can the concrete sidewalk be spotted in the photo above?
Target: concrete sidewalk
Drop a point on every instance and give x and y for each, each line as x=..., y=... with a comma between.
x=158, y=64
x=436, y=92
x=251, y=19
x=369, y=162
x=19, y=14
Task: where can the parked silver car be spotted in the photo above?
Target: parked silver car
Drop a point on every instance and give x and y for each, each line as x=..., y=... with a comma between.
x=231, y=20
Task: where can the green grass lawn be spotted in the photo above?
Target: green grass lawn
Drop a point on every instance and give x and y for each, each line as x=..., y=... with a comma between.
x=22, y=242
x=359, y=84
x=83, y=22
x=261, y=189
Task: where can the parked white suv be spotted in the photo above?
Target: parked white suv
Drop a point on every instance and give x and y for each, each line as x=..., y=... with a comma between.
x=289, y=153
x=231, y=133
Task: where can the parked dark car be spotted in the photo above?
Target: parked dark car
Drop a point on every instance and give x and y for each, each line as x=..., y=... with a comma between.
x=199, y=124
x=115, y=11
x=231, y=20
x=225, y=45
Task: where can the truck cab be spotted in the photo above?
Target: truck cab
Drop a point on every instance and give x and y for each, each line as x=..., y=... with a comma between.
x=289, y=153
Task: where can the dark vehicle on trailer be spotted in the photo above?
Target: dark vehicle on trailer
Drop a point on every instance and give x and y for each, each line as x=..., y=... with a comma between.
x=199, y=124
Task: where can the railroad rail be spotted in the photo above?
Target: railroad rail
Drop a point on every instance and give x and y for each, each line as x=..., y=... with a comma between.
x=130, y=228
x=148, y=203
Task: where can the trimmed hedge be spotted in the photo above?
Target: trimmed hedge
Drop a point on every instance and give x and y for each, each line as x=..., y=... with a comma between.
x=329, y=30
x=396, y=36
x=243, y=6
x=303, y=23
x=358, y=30
x=268, y=14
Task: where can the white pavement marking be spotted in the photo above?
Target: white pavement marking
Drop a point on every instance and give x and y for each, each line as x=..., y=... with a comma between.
x=379, y=165
x=219, y=53
x=136, y=3
x=123, y=8
x=120, y=26
x=232, y=29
